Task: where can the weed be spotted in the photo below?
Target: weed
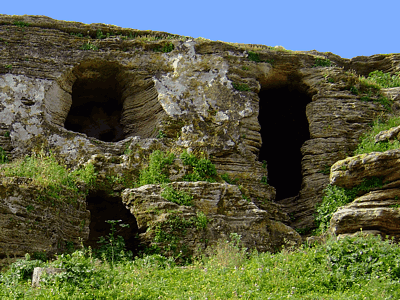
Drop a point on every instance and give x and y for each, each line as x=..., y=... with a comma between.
x=30, y=208
x=244, y=68
x=264, y=164
x=320, y=62
x=160, y=135
x=201, y=169
x=89, y=46
x=7, y=134
x=201, y=221
x=156, y=172
x=112, y=247
x=40, y=255
x=165, y=49
x=8, y=67
x=228, y=179
x=326, y=170
x=253, y=56
x=21, y=24
x=354, y=90
x=3, y=156
x=264, y=180
x=180, y=198
x=241, y=86
x=76, y=34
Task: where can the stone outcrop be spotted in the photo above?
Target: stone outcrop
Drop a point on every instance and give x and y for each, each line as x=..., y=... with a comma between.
x=223, y=208
x=377, y=210
x=271, y=120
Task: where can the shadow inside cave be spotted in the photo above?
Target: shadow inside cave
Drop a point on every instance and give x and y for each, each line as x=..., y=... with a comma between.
x=284, y=129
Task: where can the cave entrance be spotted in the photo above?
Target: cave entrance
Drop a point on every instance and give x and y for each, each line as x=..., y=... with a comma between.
x=104, y=207
x=284, y=129
x=96, y=103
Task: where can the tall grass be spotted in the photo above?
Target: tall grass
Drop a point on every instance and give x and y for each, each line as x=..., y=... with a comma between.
x=367, y=142
x=362, y=267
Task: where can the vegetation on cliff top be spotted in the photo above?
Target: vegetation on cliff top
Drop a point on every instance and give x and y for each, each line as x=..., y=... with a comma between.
x=362, y=267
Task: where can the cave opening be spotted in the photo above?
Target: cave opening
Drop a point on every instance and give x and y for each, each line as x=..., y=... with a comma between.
x=104, y=207
x=97, y=106
x=284, y=129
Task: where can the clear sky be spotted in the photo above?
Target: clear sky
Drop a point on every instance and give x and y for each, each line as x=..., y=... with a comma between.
x=347, y=28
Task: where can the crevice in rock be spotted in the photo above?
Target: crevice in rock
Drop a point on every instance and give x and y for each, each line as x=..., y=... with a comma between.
x=104, y=207
x=284, y=129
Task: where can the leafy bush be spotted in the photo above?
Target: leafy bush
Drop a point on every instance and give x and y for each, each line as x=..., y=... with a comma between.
x=156, y=172
x=335, y=197
x=180, y=198
x=367, y=141
x=201, y=169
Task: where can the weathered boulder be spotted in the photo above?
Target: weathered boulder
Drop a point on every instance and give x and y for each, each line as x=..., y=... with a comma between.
x=38, y=272
x=215, y=211
x=376, y=211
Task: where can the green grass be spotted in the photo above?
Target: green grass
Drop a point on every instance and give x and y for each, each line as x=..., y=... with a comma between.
x=157, y=170
x=384, y=80
x=200, y=169
x=351, y=268
x=367, y=142
x=50, y=175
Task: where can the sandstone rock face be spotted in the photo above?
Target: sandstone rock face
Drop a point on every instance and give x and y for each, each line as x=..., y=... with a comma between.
x=31, y=221
x=270, y=119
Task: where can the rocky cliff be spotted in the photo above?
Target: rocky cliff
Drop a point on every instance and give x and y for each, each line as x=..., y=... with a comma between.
x=272, y=121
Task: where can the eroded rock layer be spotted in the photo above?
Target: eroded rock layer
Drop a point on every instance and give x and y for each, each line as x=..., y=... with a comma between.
x=110, y=96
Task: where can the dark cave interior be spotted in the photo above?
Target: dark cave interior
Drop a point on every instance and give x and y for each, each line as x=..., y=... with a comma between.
x=104, y=207
x=96, y=109
x=284, y=128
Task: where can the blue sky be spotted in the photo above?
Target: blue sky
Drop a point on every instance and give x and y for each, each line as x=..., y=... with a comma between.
x=347, y=28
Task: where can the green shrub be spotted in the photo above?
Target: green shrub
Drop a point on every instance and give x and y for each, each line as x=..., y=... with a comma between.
x=89, y=46
x=320, y=62
x=180, y=198
x=201, y=169
x=367, y=141
x=253, y=56
x=335, y=197
x=157, y=170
